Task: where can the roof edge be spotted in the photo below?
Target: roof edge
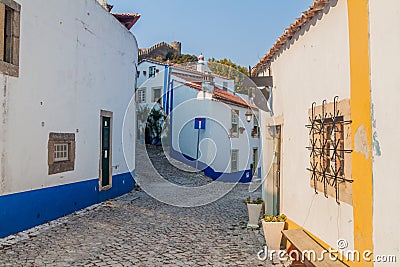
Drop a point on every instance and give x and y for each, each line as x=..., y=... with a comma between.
x=289, y=32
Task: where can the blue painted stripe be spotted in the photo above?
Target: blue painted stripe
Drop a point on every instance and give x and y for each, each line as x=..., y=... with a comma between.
x=244, y=176
x=25, y=210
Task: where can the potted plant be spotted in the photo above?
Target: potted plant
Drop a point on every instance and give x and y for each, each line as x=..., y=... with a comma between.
x=273, y=227
x=241, y=129
x=254, y=210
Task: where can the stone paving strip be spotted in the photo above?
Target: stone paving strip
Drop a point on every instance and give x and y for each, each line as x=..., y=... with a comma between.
x=137, y=230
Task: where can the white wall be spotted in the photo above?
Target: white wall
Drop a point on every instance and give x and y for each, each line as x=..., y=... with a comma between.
x=216, y=144
x=145, y=82
x=314, y=68
x=75, y=59
x=385, y=83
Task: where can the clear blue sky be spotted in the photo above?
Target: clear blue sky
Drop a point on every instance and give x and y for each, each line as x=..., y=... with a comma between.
x=240, y=30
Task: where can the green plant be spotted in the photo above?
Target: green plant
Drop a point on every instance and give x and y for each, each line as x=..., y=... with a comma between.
x=154, y=126
x=253, y=201
x=277, y=218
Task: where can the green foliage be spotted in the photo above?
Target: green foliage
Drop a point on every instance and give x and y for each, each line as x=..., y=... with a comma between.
x=229, y=63
x=272, y=218
x=142, y=112
x=253, y=201
x=225, y=67
x=184, y=58
x=154, y=126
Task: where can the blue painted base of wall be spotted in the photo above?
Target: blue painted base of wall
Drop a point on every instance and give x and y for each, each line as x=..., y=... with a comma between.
x=244, y=176
x=25, y=210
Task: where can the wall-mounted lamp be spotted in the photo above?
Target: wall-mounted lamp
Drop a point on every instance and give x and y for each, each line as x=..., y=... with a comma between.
x=248, y=115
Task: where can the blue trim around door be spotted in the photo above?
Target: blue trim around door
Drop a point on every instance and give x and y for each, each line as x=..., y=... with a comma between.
x=21, y=211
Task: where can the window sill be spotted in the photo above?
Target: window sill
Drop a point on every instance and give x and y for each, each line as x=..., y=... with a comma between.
x=9, y=69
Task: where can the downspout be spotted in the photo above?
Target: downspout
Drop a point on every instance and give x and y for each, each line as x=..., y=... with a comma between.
x=171, y=105
x=271, y=101
x=166, y=70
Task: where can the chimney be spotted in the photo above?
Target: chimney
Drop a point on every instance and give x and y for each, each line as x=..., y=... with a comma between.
x=200, y=63
x=208, y=83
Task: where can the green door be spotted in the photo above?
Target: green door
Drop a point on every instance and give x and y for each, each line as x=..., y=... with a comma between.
x=105, y=151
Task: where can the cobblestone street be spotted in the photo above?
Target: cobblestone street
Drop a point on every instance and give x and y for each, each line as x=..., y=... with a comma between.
x=137, y=230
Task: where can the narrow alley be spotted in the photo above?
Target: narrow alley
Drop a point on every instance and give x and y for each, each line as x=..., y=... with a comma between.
x=137, y=230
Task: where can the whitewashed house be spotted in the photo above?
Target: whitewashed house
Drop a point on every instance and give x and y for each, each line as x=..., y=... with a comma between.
x=227, y=148
x=330, y=163
x=67, y=77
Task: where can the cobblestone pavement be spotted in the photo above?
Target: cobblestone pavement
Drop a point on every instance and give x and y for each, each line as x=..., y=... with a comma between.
x=137, y=230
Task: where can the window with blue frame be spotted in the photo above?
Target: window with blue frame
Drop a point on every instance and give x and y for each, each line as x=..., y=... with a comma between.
x=152, y=71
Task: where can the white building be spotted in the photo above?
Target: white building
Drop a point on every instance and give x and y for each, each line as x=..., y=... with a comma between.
x=228, y=148
x=335, y=70
x=67, y=79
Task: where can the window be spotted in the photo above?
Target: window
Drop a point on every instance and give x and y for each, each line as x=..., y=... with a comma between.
x=334, y=134
x=235, y=123
x=141, y=95
x=152, y=71
x=255, y=132
x=234, y=160
x=9, y=37
x=156, y=94
x=61, y=152
x=330, y=156
x=225, y=86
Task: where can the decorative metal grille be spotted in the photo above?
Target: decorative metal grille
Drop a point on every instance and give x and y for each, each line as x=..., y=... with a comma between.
x=327, y=151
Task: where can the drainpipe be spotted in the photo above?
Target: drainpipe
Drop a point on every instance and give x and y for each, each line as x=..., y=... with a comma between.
x=271, y=99
x=171, y=105
x=166, y=75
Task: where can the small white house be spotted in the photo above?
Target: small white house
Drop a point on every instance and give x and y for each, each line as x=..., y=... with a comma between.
x=67, y=78
x=226, y=147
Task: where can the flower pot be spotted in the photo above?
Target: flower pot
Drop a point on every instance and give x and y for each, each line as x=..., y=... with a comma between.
x=273, y=234
x=254, y=211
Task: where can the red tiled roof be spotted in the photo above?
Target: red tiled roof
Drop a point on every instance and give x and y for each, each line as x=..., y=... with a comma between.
x=128, y=20
x=295, y=27
x=223, y=96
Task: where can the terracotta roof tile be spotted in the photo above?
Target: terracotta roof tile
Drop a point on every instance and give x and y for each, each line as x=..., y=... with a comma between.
x=128, y=20
x=223, y=96
x=306, y=16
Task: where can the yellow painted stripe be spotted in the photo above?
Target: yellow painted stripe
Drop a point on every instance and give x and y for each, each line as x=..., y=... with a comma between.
x=361, y=128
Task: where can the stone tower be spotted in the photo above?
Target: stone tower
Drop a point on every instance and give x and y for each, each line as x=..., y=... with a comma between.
x=177, y=46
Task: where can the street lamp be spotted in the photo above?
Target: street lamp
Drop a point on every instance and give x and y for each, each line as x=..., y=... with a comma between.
x=248, y=115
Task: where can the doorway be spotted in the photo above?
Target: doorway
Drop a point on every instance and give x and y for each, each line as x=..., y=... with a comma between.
x=255, y=162
x=273, y=183
x=105, y=173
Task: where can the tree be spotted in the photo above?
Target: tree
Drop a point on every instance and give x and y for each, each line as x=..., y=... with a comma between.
x=154, y=127
x=225, y=67
x=184, y=58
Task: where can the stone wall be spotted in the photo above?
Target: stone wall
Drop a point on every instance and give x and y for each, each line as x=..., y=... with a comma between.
x=160, y=50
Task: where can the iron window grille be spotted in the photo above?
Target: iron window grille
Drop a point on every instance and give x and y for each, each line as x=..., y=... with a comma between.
x=327, y=150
